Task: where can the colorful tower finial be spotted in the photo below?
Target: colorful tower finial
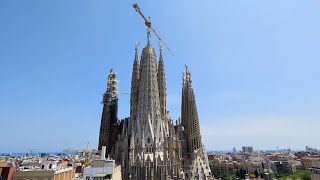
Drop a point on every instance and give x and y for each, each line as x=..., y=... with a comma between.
x=160, y=46
x=136, y=47
x=148, y=35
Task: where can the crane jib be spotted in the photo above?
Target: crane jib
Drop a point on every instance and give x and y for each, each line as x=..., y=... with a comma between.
x=148, y=24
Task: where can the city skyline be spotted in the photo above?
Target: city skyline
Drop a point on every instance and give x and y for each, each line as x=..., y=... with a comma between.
x=254, y=68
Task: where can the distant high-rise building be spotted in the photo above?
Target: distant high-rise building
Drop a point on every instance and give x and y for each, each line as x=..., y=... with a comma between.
x=247, y=149
x=234, y=150
x=310, y=149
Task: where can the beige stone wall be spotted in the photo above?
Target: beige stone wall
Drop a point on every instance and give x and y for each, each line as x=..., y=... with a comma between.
x=117, y=173
x=68, y=175
x=3, y=164
x=315, y=176
x=22, y=175
x=44, y=175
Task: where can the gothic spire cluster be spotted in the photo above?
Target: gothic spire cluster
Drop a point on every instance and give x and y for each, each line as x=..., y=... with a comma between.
x=148, y=145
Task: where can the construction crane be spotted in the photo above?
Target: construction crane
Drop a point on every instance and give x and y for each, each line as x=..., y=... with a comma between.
x=149, y=25
x=31, y=151
x=80, y=150
x=86, y=152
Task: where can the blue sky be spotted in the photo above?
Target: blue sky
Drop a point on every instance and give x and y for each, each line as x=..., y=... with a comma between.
x=255, y=68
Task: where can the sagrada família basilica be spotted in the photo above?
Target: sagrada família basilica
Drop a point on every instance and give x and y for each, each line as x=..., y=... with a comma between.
x=149, y=144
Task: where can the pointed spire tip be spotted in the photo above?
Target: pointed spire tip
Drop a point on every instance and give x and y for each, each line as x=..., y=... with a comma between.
x=148, y=35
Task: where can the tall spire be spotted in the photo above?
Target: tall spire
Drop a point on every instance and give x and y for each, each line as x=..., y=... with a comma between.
x=134, y=88
x=148, y=35
x=148, y=93
x=162, y=86
x=108, y=127
x=187, y=74
x=189, y=114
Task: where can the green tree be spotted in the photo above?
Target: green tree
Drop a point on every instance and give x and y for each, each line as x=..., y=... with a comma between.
x=305, y=176
x=256, y=172
x=238, y=173
x=243, y=173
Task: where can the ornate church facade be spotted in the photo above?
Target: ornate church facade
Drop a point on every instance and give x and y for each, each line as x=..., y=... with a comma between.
x=149, y=144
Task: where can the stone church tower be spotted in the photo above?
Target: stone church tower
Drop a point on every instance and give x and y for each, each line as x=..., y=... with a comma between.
x=148, y=93
x=134, y=89
x=153, y=145
x=189, y=114
x=148, y=145
x=109, y=120
x=162, y=87
x=195, y=155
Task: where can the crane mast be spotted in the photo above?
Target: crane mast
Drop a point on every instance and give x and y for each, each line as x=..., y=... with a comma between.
x=149, y=25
